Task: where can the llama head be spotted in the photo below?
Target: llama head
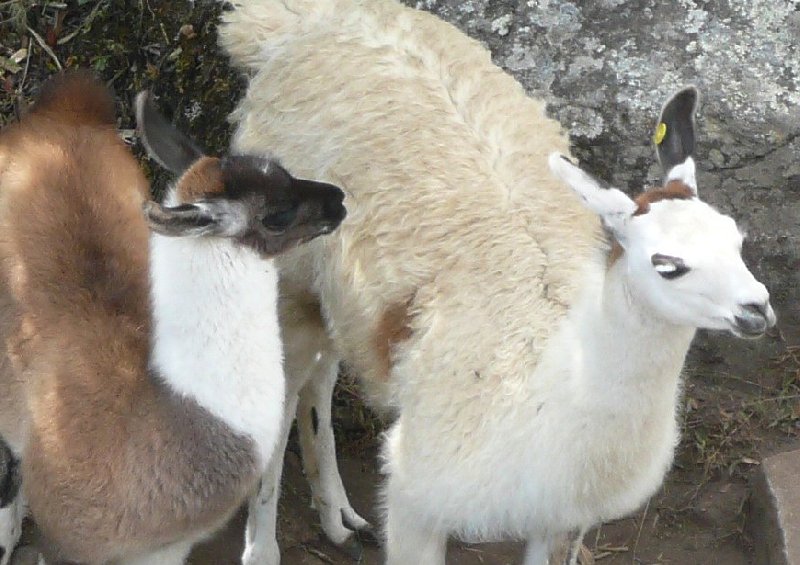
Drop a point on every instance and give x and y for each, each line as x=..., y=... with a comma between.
x=250, y=199
x=682, y=257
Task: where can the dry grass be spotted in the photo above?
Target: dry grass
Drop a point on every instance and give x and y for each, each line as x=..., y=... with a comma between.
x=728, y=428
x=357, y=427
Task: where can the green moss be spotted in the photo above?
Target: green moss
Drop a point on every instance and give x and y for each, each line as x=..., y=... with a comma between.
x=169, y=47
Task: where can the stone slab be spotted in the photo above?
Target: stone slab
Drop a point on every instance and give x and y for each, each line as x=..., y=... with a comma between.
x=774, y=511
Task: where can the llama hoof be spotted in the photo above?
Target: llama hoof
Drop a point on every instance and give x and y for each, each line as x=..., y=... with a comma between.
x=353, y=548
x=363, y=530
x=585, y=556
x=368, y=536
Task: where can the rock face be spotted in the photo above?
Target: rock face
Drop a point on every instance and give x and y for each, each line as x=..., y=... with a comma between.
x=773, y=517
x=606, y=66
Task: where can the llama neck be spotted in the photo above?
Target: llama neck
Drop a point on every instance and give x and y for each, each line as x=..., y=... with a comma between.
x=625, y=347
x=215, y=332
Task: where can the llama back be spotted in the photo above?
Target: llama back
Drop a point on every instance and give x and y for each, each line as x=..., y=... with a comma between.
x=70, y=211
x=254, y=26
x=74, y=248
x=453, y=213
x=76, y=97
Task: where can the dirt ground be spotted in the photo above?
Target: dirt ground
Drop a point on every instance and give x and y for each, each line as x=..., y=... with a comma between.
x=730, y=419
x=685, y=524
x=697, y=518
x=705, y=534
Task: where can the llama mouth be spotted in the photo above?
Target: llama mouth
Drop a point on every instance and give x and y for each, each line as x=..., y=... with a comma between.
x=746, y=330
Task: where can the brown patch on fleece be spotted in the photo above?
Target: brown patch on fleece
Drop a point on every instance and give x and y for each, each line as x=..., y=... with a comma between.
x=615, y=253
x=203, y=179
x=394, y=327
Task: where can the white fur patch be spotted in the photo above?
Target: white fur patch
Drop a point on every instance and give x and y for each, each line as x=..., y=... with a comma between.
x=11, y=527
x=685, y=172
x=216, y=334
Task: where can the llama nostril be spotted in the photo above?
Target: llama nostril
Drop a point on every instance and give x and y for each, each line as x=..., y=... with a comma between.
x=757, y=309
x=754, y=319
x=334, y=210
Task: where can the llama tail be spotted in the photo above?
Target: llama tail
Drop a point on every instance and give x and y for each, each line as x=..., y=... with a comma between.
x=254, y=28
x=76, y=97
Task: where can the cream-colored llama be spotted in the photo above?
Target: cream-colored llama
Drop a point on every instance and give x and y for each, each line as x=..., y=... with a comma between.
x=535, y=377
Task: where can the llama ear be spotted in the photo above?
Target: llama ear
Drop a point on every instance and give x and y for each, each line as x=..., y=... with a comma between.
x=613, y=206
x=674, y=137
x=172, y=149
x=203, y=219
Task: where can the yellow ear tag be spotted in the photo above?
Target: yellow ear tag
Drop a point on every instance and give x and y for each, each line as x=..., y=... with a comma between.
x=661, y=132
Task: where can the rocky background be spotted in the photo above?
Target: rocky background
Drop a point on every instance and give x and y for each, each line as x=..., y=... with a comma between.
x=606, y=66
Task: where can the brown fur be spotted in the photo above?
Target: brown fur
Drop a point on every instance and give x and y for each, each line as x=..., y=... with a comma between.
x=204, y=178
x=673, y=190
x=615, y=253
x=115, y=464
x=14, y=415
x=393, y=328
x=77, y=98
x=304, y=308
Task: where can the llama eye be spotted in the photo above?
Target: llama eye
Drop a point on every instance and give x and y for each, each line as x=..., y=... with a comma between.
x=668, y=267
x=279, y=220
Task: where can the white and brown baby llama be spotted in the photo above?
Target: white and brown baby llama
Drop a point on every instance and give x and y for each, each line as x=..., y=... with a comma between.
x=147, y=367
x=535, y=376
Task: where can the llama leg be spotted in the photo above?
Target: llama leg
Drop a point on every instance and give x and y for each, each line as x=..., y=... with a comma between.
x=260, y=542
x=537, y=552
x=409, y=539
x=564, y=550
x=12, y=505
x=11, y=517
x=341, y=524
x=575, y=545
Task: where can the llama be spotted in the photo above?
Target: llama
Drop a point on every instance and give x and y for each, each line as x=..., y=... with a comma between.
x=150, y=359
x=12, y=507
x=535, y=375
